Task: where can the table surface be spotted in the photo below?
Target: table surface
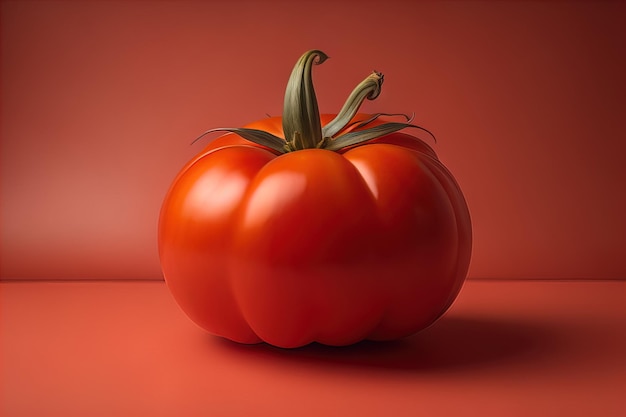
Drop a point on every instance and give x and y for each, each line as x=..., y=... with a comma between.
x=505, y=348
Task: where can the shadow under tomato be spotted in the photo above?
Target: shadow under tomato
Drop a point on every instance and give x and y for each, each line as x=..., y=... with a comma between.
x=451, y=343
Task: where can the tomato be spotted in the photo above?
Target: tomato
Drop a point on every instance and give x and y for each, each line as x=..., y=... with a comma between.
x=308, y=243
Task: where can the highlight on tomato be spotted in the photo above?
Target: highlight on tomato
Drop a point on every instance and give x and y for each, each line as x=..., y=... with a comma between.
x=315, y=228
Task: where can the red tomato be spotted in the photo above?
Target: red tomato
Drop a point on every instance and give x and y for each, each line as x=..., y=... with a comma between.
x=314, y=245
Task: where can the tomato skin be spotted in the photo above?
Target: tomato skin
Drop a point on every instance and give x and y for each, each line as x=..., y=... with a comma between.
x=371, y=242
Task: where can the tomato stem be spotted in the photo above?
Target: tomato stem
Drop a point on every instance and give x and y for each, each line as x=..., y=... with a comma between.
x=369, y=89
x=301, y=118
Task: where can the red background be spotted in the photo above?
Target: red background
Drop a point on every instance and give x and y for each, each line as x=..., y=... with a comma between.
x=100, y=101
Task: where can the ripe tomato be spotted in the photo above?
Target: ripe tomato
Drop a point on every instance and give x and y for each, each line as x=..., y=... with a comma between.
x=311, y=243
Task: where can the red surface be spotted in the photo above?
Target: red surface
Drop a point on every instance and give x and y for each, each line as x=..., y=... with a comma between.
x=100, y=100
x=506, y=348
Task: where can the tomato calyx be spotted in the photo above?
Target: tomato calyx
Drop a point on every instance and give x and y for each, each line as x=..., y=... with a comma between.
x=301, y=118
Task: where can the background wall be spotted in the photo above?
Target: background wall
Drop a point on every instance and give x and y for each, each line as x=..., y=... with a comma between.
x=101, y=99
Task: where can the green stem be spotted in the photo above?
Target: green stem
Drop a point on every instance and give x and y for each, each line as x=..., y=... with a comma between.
x=301, y=117
x=369, y=89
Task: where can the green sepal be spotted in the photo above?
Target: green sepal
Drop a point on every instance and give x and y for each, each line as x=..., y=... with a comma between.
x=361, y=136
x=257, y=136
